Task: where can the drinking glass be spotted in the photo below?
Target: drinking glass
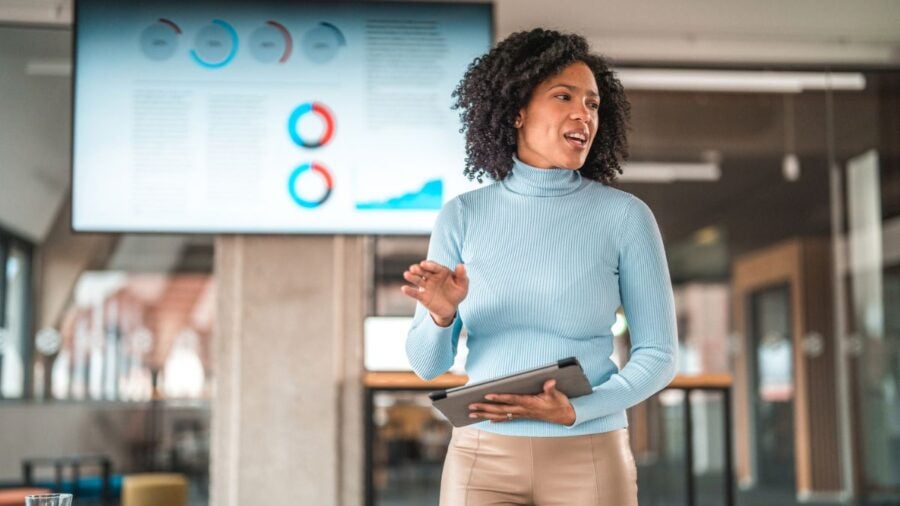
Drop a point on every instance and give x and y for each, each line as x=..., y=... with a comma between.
x=49, y=500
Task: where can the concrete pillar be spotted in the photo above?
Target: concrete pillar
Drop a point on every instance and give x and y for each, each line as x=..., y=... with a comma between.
x=287, y=404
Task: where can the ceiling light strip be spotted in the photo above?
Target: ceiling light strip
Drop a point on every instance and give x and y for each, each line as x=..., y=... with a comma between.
x=738, y=81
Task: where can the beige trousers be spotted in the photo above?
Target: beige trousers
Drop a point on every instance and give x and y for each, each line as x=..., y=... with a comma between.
x=483, y=468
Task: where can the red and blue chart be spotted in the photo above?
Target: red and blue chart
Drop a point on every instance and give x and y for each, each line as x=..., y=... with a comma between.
x=301, y=195
x=302, y=182
x=316, y=109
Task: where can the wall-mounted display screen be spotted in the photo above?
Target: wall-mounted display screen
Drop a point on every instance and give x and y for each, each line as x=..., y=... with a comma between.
x=269, y=117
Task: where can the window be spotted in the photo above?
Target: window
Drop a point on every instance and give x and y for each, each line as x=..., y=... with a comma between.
x=15, y=311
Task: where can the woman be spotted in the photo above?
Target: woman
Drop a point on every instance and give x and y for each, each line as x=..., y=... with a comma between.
x=535, y=266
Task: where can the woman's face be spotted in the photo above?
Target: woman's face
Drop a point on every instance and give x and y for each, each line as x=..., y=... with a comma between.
x=557, y=126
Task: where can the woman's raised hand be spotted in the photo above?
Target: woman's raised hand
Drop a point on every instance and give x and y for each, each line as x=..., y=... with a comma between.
x=438, y=288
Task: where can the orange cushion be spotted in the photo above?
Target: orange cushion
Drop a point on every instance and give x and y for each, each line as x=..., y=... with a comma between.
x=16, y=496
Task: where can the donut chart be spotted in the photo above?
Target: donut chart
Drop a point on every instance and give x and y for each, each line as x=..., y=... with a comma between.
x=216, y=45
x=321, y=43
x=324, y=114
x=159, y=41
x=271, y=43
x=322, y=172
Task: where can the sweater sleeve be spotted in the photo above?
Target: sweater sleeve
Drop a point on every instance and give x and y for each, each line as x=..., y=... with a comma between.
x=646, y=294
x=430, y=348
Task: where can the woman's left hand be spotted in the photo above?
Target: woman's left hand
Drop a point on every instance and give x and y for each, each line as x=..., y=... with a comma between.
x=550, y=405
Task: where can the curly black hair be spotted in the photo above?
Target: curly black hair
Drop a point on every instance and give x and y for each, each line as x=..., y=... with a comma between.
x=498, y=84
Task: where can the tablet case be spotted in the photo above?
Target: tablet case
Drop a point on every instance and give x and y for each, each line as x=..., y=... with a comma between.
x=454, y=403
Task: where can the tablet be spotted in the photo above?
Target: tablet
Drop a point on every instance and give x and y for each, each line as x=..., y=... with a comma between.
x=454, y=403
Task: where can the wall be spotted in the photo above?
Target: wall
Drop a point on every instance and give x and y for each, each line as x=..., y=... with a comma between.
x=56, y=429
x=35, y=130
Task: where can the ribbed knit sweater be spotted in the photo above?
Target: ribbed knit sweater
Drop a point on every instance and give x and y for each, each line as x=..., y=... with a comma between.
x=550, y=257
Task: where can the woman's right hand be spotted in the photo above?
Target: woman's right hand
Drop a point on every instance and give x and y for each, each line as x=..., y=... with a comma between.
x=437, y=288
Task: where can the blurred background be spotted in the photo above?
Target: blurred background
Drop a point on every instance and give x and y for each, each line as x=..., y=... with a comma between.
x=252, y=368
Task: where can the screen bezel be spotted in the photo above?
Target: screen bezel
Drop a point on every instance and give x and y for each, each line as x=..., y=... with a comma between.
x=492, y=23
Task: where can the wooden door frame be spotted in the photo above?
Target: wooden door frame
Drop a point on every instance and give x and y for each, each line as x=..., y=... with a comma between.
x=778, y=264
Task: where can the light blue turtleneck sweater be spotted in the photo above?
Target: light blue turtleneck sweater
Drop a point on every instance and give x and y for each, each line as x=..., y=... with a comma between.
x=550, y=257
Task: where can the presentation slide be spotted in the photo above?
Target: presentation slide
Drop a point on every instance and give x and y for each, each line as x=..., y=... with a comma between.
x=269, y=117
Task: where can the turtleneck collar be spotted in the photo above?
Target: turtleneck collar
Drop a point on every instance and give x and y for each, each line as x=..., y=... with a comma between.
x=534, y=181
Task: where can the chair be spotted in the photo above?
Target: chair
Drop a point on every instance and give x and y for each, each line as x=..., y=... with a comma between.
x=154, y=489
x=104, y=487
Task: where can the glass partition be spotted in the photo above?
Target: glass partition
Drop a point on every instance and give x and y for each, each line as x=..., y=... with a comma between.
x=777, y=193
x=865, y=173
x=131, y=337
